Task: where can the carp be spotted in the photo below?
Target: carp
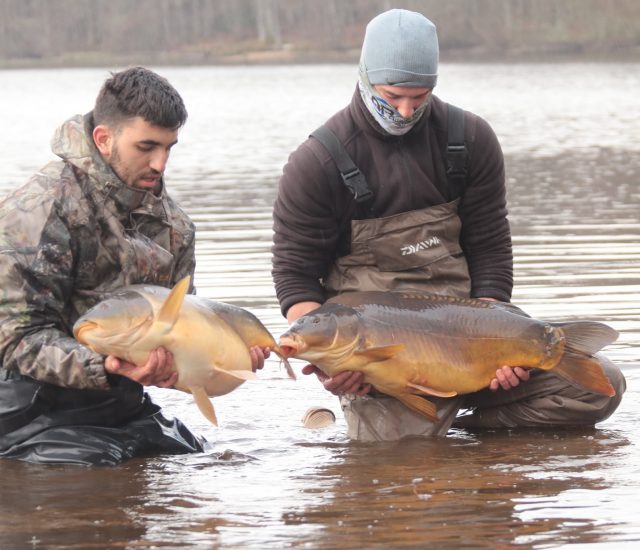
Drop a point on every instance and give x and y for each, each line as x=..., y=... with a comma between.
x=209, y=340
x=412, y=345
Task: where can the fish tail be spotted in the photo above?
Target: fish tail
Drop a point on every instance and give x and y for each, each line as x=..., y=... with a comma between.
x=586, y=372
x=586, y=337
x=420, y=405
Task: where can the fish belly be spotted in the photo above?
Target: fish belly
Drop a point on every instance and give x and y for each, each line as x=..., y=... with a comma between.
x=205, y=351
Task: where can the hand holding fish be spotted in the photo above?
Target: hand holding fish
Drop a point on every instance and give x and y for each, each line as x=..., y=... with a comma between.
x=414, y=346
x=508, y=378
x=345, y=382
x=351, y=382
x=157, y=371
x=258, y=355
x=212, y=346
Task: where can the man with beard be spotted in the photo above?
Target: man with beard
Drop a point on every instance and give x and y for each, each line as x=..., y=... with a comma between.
x=81, y=228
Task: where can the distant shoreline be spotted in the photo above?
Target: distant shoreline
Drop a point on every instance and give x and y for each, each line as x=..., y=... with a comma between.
x=286, y=56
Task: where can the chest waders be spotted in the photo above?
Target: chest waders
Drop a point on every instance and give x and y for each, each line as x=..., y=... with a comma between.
x=48, y=424
x=417, y=250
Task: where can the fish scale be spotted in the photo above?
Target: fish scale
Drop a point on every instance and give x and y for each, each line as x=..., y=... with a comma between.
x=410, y=344
x=209, y=340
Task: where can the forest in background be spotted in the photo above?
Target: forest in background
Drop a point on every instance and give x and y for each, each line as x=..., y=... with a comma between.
x=97, y=32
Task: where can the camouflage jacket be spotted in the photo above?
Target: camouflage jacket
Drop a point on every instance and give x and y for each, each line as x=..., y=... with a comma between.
x=71, y=235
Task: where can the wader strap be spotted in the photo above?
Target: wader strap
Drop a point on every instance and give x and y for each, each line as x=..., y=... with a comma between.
x=351, y=175
x=457, y=155
x=456, y=159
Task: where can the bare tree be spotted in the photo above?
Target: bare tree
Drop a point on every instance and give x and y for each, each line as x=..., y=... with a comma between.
x=39, y=31
x=268, y=22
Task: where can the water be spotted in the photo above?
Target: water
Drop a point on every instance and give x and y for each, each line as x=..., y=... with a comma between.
x=571, y=136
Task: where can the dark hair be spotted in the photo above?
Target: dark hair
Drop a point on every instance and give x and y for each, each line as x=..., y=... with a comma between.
x=139, y=92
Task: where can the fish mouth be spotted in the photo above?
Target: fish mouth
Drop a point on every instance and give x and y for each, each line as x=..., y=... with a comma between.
x=289, y=347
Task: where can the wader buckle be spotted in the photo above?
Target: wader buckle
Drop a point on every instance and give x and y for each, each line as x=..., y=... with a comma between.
x=351, y=176
x=357, y=184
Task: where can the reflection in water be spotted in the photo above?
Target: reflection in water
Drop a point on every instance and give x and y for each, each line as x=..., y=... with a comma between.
x=577, y=254
x=69, y=507
x=268, y=482
x=463, y=489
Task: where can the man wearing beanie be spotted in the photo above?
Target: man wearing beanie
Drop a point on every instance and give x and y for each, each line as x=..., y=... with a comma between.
x=401, y=191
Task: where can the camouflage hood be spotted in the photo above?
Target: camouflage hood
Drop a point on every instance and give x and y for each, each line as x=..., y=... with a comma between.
x=71, y=235
x=73, y=143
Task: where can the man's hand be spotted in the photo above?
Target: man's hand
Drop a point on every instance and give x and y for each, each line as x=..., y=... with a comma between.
x=344, y=382
x=301, y=308
x=157, y=371
x=258, y=355
x=508, y=378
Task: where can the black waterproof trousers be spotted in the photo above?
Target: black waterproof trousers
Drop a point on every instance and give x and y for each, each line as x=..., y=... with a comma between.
x=48, y=424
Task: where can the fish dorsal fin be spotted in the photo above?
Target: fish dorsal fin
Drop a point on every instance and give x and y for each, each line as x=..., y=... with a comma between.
x=587, y=337
x=240, y=374
x=170, y=310
x=204, y=404
x=381, y=353
x=430, y=391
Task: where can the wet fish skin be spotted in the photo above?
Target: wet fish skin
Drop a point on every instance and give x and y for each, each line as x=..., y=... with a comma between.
x=209, y=340
x=412, y=344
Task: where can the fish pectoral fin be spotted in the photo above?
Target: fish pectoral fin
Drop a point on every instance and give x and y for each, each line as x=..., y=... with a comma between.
x=381, y=353
x=240, y=374
x=430, y=391
x=204, y=404
x=170, y=310
x=419, y=405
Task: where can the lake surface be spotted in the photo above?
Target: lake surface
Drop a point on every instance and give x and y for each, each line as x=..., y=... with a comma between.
x=571, y=136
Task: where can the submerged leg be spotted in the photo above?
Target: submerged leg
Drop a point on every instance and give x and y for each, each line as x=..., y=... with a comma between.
x=50, y=425
x=544, y=401
x=106, y=446
x=383, y=418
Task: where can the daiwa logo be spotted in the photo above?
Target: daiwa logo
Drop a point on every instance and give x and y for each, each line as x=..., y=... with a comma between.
x=422, y=245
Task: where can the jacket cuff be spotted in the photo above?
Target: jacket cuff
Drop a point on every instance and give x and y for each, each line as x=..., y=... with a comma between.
x=491, y=292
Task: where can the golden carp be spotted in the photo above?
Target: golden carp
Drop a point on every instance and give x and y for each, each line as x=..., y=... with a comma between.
x=411, y=345
x=209, y=340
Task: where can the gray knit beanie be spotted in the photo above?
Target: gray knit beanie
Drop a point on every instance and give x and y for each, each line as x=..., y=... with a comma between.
x=401, y=49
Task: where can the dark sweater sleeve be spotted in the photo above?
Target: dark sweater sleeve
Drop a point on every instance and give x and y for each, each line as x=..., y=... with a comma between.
x=486, y=236
x=305, y=229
